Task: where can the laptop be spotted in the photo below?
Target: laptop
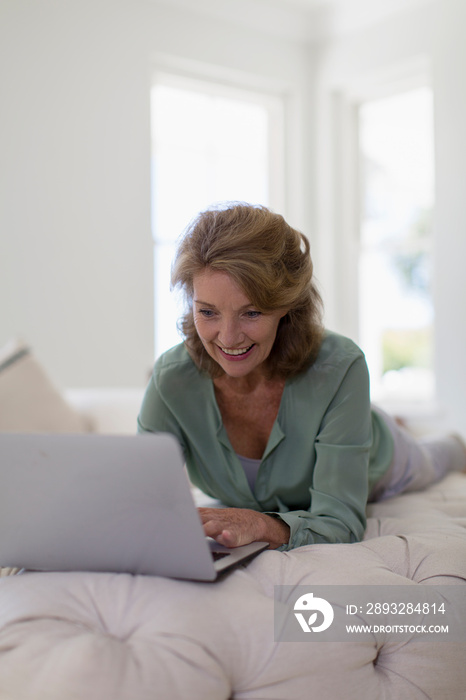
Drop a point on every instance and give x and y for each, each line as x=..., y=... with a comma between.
x=104, y=503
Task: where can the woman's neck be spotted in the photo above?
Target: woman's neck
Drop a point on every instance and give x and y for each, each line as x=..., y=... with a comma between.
x=249, y=384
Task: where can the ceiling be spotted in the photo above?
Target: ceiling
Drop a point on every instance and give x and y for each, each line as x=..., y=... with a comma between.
x=336, y=17
x=300, y=20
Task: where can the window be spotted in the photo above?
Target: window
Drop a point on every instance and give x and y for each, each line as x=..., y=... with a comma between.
x=396, y=315
x=210, y=143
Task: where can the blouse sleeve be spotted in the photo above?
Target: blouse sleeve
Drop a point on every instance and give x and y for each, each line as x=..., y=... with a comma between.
x=339, y=490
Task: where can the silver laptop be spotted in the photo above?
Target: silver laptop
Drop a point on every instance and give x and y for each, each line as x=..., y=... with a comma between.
x=104, y=503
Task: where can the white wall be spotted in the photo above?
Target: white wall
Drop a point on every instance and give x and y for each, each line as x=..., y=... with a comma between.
x=76, y=251
x=432, y=34
x=75, y=269
x=450, y=86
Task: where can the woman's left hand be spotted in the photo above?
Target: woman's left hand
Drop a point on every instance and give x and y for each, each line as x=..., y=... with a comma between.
x=233, y=527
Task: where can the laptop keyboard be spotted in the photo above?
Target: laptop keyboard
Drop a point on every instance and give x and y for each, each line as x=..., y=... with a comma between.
x=219, y=555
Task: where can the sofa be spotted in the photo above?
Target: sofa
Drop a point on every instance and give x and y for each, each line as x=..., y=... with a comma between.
x=91, y=636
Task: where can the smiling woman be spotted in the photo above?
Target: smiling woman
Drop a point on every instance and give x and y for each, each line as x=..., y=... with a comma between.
x=273, y=412
x=271, y=266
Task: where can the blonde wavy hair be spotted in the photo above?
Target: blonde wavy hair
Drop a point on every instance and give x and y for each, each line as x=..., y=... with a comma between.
x=271, y=263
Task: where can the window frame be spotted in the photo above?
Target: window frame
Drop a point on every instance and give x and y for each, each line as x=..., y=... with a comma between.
x=340, y=188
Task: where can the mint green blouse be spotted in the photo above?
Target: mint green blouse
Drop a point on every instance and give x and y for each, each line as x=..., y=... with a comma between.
x=325, y=452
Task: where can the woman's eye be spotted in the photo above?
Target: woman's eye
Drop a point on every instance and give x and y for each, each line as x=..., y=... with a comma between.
x=207, y=313
x=253, y=314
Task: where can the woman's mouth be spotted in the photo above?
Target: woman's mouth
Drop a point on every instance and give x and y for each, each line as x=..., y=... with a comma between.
x=236, y=353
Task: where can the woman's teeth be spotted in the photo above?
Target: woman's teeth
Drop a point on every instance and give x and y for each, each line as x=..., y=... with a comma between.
x=239, y=351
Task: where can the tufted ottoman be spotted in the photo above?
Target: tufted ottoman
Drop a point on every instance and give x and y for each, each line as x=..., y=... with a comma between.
x=82, y=636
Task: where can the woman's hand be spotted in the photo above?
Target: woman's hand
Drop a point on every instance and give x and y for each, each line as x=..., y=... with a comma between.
x=234, y=527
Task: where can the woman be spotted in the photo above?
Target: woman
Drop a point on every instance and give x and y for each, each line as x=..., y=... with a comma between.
x=271, y=410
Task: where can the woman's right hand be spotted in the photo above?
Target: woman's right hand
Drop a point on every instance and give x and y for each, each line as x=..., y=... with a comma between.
x=234, y=527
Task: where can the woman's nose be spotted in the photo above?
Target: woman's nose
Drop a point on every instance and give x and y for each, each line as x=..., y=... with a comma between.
x=230, y=334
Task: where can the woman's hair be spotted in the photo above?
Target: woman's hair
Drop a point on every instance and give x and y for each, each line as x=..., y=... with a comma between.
x=271, y=263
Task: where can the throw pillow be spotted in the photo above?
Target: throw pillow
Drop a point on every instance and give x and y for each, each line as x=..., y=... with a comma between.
x=29, y=402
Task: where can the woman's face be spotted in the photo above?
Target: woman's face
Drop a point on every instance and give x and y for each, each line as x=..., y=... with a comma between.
x=232, y=330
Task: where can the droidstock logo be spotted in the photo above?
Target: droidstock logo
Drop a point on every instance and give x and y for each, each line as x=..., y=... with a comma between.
x=308, y=603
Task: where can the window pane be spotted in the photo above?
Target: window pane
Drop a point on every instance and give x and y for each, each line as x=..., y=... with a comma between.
x=207, y=148
x=396, y=309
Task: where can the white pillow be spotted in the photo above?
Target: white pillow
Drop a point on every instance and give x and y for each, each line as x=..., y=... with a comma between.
x=28, y=400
